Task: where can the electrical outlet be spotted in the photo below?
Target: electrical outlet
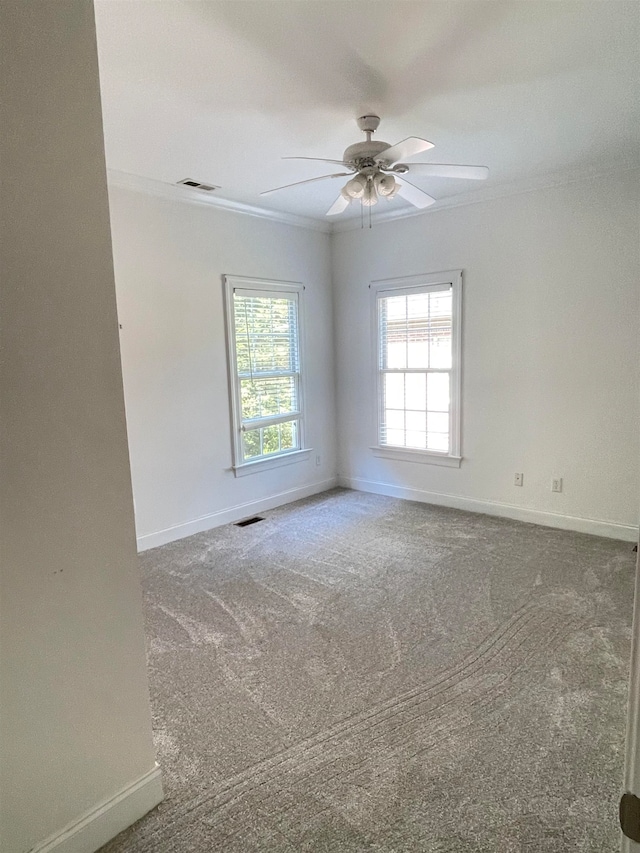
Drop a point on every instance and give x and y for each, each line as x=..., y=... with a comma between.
x=518, y=479
x=556, y=484
x=318, y=459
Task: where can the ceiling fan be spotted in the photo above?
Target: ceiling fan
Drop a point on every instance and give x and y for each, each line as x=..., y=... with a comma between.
x=374, y=169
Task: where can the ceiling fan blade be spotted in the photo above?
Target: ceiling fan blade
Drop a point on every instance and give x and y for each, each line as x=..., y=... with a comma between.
x=338, y=206
x=308, y=181
x=413, y=195
x=319, y=160
x=449, y=170
x=407, y=148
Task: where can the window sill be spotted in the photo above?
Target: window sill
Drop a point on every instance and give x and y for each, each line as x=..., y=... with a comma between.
x=272, y=462
x=405, y=454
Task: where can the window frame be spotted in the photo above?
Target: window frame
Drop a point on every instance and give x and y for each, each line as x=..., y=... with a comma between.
x=274, y=288
x=427, y=282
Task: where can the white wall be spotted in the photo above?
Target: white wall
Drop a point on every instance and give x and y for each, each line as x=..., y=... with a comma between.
x=74, y=710
x=550, y=352
x=169, y=260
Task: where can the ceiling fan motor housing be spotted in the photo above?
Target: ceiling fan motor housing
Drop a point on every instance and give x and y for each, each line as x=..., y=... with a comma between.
x=364, y=151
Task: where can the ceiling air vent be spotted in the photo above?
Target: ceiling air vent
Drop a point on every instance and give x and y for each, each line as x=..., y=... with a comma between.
x=196, y=185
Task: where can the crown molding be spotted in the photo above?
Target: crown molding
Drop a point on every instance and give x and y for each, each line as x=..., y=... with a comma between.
x=493, y=192
x=173, y=192
x=485, y=193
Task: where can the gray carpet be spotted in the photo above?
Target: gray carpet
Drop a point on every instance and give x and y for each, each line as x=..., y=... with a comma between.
x=359, y=673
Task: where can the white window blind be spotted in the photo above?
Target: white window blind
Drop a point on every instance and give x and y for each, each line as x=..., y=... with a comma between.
x=415, y=362
x=267, y=366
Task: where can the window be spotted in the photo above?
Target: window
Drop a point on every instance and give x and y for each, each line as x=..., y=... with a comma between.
x=418, y=372
x=263, y=331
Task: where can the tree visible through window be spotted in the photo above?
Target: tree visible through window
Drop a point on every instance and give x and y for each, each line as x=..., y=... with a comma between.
x=266, y=364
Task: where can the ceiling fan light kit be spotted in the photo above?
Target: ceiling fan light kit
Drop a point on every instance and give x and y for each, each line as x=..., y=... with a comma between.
x=377, y=166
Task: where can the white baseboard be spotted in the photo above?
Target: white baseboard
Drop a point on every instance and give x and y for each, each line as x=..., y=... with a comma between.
x=234, y=513
x=102, y=823
x=595, y=526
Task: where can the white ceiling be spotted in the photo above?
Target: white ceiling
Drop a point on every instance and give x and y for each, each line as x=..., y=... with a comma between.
x=220, y=91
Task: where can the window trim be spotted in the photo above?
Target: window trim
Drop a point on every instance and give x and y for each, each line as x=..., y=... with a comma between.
x=261, y=287
x=405, y=286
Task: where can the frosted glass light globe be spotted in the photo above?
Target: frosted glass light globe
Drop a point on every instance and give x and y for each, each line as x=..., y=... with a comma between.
x=355, y=188
x=385, y=185
x=370, y=196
